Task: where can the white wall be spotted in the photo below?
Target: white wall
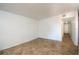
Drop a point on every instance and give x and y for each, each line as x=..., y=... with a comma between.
x=50, y=28
x=16, y=29
x=74, y=24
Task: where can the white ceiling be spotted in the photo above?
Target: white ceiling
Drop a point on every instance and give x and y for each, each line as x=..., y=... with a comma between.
x=38, y=10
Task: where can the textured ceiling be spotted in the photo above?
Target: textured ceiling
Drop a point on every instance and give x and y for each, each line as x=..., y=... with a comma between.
x=38, y=10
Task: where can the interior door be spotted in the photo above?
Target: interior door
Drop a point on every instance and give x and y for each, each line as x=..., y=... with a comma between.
x=66, y=28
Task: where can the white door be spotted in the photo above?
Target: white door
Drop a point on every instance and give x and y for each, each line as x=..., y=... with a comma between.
x=66, y=28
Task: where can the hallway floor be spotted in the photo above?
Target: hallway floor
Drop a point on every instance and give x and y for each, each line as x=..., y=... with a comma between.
x=68, y=46
x=42, y=46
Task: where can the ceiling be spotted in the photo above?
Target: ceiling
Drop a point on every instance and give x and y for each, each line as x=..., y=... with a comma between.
x=38, y=10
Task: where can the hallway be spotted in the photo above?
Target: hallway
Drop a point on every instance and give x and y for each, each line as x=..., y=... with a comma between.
x=68, y=46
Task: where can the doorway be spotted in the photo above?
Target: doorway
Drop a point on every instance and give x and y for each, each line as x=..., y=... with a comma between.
x=68, y=35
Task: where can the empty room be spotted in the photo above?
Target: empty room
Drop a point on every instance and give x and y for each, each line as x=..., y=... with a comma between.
x=38, y=29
